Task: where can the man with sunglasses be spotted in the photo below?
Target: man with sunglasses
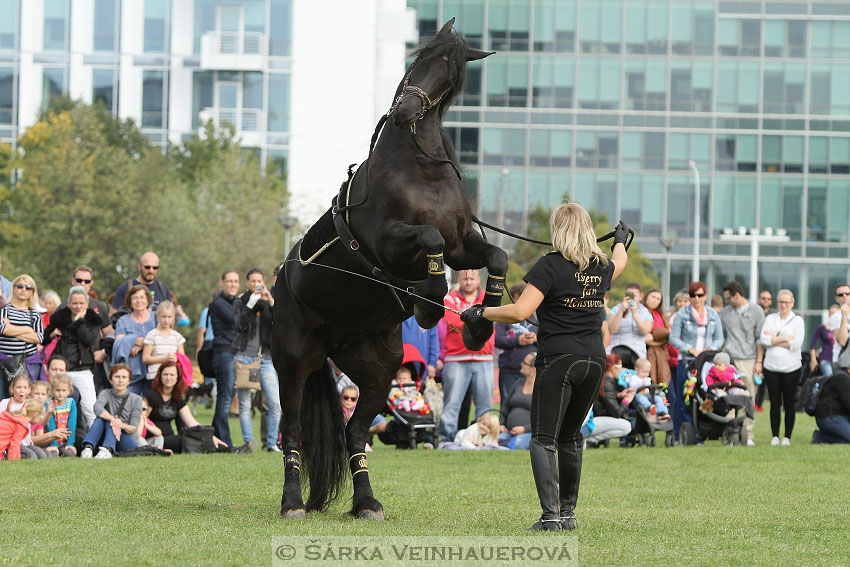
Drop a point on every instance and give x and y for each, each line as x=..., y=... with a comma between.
x=148, y=271
x=742, y=322
x=838, y=321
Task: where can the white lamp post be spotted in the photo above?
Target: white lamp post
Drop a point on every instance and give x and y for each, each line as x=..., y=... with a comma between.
x=754, y=238
x=697, y=221
x=287, y=221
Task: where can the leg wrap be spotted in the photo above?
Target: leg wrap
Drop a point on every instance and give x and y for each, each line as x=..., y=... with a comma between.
x=292, y=464
x=360, y=473
x=494, y=291
x=436, y=286
x=436, y=267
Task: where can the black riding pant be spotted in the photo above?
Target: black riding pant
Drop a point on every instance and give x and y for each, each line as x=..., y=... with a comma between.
x=566, y=386
x=782, y=391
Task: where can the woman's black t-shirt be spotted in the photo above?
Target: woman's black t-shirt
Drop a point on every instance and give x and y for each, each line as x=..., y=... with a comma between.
x=572, y=310
x=163, y=413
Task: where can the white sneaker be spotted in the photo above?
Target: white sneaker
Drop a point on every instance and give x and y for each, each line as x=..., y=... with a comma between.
x=774, y=442
x=368, y=449
x=104, y=453
x=751, y=443
x=86, y=454
x=786, y=442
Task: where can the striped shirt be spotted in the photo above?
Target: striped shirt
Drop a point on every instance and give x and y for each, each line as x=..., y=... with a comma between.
x=22, y=318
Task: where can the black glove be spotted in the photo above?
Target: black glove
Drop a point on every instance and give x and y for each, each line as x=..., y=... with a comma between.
x=472, y=314
x=621, y=234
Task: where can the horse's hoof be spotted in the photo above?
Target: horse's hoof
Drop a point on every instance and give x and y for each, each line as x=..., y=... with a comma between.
x=298, y=514
x=371, y=515
x=476, y=334
x=427, y=314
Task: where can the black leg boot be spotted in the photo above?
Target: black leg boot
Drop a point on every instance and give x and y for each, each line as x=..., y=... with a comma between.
x=569, y=472
x=546, y=479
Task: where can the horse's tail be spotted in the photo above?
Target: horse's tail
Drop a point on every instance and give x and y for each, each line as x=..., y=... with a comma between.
x=323, y=438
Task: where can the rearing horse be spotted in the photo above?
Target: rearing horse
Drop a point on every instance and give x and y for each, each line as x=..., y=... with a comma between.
x=399, y=218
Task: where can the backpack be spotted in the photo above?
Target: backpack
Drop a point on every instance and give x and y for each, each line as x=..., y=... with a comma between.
x=810, y=393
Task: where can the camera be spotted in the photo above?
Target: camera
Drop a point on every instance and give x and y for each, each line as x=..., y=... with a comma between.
x=258, y=288
x=630, y=294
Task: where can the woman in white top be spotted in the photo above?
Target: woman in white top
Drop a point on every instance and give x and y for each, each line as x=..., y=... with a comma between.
x=779, y=357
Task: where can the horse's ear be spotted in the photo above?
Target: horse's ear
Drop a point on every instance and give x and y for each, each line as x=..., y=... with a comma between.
x=475, y=54
x=447, y=27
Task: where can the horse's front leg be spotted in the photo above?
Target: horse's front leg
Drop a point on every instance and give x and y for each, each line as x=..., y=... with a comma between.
x=477, y=253
x=371, y=362
x=406, y=241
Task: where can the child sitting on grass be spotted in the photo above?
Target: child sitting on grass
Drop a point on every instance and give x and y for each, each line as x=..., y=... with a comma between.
x=40, y=391
x=19, y=389
x=639, y=380
x=484, y=433
x=15, y=427
x=63, y=418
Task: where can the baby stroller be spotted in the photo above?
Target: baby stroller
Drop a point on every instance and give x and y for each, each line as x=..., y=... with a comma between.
x=413, y=422
x=714, y=423
x=643, y=433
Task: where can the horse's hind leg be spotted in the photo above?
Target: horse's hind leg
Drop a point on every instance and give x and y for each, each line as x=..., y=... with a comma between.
x=371, y=362
x=406, y=241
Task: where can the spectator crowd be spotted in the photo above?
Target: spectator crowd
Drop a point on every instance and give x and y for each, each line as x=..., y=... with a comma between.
x=86, y=378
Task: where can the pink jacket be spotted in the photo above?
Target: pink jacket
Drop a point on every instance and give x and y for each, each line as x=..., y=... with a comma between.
x=13, y=430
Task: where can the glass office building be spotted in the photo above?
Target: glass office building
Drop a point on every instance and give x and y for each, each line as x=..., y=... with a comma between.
x=167, y=64
x=607, y=101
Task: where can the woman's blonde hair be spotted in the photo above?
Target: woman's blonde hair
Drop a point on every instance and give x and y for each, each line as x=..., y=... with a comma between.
x=573, y=236
x=30, y=406
x=27, y=279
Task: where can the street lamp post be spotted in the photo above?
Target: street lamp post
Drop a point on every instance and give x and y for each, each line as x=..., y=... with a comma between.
x=501, y=204
x=287, y=221
x=754, y=238
x=697, y=220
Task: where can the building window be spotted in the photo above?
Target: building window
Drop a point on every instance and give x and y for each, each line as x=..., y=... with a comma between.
x=597, y=192
x=646, y=85
x=641, y=203
x=465, y=142
x=737, y=87
x=202, y=94
x=646, y=27
x=156, y=26
x=555, y=26
x=697, y=147
x=278, y=107
x=104, y=89
x=470, y=19
x=252, y=101
x=55, y=19
x=106, y=23
x=693, y=28
x=204, y=20
x=8, y=23
x=550, y=148
x=599, y=83
x=552, y=81
x=784, y=38
x=277, y=161
x=782, y=204
x=54, y=83
x=739, y=37
x=830, y=39
x=280, y=27
x=735, y=152
x=507, y=81
x=509, y=25
x=597, y=149
x=733, y=201
x=643, y=150
x=690, y=86
x=153, y=88
x=599, y=30
x=829, y=89
x=784, y=88
x=504, y=146
x=471, y=95
x=7, y=95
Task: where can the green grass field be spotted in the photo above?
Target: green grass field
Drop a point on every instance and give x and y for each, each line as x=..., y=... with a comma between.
x=703, y=505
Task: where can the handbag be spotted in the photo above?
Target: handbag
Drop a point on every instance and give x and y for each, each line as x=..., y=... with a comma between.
x=12, y=367
x=205, y=356
x=198, y=439
x=248, y=375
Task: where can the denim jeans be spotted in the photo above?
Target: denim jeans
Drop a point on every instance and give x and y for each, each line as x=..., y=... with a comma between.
x=643, y=401
x=456, y=379
x=517, y=442
x=269, y=384
x=225, y=374
x=826, y=367
x=834, y=429
x=101, y=435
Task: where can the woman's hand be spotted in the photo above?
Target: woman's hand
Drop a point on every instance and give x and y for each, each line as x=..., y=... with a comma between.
x=757, y=368
x=517, y=430
x=503, y=429
x=694, y=351
x=135, y=350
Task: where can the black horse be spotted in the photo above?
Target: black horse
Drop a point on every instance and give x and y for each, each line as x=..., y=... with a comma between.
x=397, y=218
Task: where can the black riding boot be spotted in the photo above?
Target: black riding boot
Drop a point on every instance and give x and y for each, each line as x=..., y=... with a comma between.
x=545, y=472
x=569, y=472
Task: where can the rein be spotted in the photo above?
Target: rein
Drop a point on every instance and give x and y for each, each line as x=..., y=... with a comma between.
x=482, y=225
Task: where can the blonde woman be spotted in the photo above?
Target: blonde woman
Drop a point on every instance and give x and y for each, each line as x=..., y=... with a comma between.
x=21, y=330
x=567, y=289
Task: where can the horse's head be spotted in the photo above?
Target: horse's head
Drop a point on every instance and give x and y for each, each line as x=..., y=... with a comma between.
x=434, y=77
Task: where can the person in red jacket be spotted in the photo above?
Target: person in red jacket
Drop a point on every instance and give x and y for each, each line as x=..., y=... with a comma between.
x=15, y=426
x=462, y=366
